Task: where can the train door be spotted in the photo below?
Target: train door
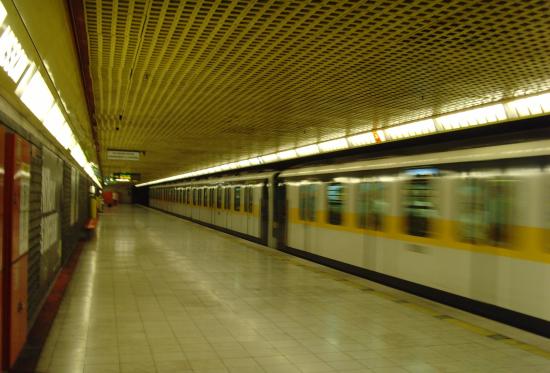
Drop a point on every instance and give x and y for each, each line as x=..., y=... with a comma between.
x=227, y=206
x=371, y=209
x=249, y=210
x=212, y=205
x=187, y=206
x=218, y=207
x=15, y=246
x=263, y=213
x=308, y=200
x=237, y=216
x=280, y=225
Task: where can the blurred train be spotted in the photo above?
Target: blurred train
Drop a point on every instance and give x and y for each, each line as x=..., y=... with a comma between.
x=469, y=228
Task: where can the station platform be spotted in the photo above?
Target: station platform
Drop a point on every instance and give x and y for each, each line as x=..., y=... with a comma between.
x=156, y=293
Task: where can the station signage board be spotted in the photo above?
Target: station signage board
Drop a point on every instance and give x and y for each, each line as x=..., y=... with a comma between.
x=123, y=155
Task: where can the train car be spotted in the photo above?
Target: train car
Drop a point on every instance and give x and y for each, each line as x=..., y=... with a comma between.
x=240, y=205
x=470, y=228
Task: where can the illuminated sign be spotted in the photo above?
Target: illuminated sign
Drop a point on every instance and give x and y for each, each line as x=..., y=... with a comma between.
x=13, y=59
x=123, y=155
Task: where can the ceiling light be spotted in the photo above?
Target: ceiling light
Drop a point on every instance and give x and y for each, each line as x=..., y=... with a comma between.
x=362, y=139
x=3, y=13
x=332, y=145
x=287, y=154
x=307, y=150
x=255, y=161
x=269, y=158
x=473, y=117
x=37, y=97
x=79, y=157
x=66, y=137
x=531, y=105
x=411, y=129
x=244, y=163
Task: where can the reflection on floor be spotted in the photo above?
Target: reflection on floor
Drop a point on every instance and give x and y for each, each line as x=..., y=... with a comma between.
x=155, y=293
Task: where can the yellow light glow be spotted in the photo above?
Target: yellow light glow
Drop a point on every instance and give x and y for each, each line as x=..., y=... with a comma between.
x=37, y=97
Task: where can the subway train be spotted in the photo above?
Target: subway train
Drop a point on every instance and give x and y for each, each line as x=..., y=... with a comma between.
x=469, y=228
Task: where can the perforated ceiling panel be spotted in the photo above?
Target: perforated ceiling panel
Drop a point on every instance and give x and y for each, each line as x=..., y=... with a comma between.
x=200, y=83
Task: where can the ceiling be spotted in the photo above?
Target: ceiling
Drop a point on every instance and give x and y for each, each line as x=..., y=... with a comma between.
x=199, y=83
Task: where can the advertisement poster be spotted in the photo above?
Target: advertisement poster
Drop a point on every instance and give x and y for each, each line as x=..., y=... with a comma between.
x=50, y=249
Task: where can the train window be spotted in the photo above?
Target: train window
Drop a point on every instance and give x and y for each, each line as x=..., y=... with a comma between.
x=307, y=193
x=371, y=205
x=419, y=206
x=199, y=197
x=227, y=199
x=188, y=196
x=237, y=199
x=485, y=210
x=335, y=203
x=219, y=197
x=205, y=197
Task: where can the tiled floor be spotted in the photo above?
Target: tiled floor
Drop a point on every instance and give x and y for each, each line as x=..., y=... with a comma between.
x=155, y=293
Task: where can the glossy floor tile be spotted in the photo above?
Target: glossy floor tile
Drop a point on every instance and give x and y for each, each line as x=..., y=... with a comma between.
x=155, y=293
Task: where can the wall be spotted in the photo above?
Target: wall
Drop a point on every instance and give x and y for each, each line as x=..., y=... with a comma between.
x=124, y=192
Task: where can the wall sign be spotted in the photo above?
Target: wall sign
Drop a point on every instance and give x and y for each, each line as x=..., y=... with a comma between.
x=123, y=155
x=13, y=58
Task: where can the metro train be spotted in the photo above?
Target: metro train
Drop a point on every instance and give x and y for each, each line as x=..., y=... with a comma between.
x=469, y=228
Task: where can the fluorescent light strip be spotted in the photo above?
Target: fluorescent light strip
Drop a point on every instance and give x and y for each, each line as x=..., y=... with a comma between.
x=308, y=150
x=287, y=154
x=531, y=105
x=35, y=93
x=515, y=109
x=333, y=145
x=3, y=13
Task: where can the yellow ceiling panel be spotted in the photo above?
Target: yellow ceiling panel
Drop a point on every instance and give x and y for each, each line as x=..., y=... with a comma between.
x=200, y=83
